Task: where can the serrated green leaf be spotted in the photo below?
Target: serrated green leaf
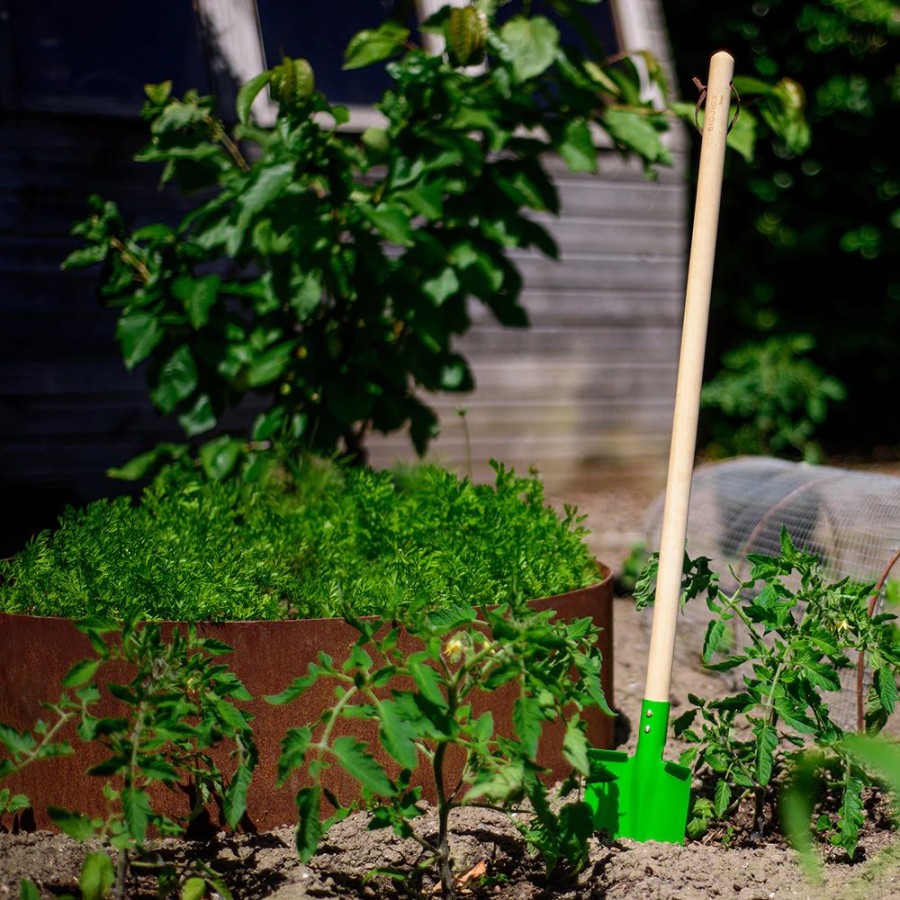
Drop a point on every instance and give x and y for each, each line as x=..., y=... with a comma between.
x=86, y=256
x=74, y=824
x=136, y=806
x=220, y=455
x=294, y=746
x=234, y=801
x=528, y=723
x=428, y=684
x=97, y=876
x=715, y=631
x=360, y=764
x=265, y=186
x=139, y=334
x=309, y=826
x=533, y=44
x=81, y=673
x=372, y=45
x=575, y=747
x=766, y=744
x=176, y=380
x=577, y=147
x=396, y=734
x=198, y=296
x=16, y=742
x=248, y=93
x=193, y=889
x=632, y=131
x=886, y=688
x=722, y=798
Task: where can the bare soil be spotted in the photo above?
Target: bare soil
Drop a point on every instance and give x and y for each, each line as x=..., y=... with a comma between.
x=741, y=866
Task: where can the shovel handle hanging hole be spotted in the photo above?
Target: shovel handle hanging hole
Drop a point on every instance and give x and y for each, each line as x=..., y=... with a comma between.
x=700, y=100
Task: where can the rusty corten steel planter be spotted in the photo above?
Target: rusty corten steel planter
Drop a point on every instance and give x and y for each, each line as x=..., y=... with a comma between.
x=36, y=652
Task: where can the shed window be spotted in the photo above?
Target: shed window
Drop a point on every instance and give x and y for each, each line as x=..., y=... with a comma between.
x=96, y=56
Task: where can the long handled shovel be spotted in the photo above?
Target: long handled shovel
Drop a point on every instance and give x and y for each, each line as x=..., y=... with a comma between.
x=645, y=797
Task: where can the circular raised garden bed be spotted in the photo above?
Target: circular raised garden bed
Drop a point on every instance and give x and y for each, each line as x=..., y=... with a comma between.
x=37, y=652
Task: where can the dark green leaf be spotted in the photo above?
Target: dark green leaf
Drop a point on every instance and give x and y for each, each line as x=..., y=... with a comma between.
x=199, y=418
x=234, y=803
x=294, y=745
x=766, y=744
x=528, y=722
x=359, y=763
x=81, y=673
x=715, y=631
x=74, y=824
x=271, y=365
x=139, y=334
x=176, y=380
x=136, y=806
x=266, y=185
x=198, y=296
x=248, y=94
x=722, y=798
x=575, y=746
x=309, y=826
x=220, y=455
x=16, y=742
x=392, y=222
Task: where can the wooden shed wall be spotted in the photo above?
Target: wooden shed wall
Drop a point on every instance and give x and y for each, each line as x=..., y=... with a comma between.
x=584, y=394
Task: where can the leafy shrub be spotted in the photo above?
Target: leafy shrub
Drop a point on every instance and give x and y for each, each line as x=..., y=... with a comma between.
x=328, y=274
x=770, y=399
x=334, y=536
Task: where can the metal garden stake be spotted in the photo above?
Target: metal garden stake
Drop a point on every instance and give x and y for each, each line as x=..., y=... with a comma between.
x=645, y=797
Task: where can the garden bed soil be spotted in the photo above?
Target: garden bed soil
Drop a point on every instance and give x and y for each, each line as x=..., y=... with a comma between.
x=740, y=866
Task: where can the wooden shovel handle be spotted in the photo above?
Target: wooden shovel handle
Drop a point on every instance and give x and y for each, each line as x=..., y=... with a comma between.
x=690, y=377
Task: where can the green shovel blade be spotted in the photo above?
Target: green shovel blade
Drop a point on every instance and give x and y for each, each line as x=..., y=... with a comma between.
x=642, y=797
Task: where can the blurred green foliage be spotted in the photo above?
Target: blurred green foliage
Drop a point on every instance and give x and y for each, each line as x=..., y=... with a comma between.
x=808, y=242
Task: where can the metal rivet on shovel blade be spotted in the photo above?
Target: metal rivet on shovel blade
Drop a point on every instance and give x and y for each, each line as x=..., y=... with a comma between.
x=645, y=797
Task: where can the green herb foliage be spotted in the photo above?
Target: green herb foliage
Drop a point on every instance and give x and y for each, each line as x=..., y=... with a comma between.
x=423, y=703
x=329, y=274
x=795, y=632
x=328, y=537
